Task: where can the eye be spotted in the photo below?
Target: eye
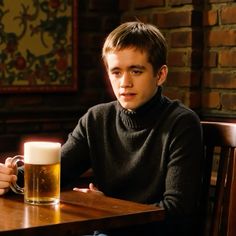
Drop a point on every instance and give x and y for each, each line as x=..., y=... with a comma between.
x=136, y=72
x=115, y=73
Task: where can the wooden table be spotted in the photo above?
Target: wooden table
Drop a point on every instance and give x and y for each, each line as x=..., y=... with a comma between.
x=77, y=213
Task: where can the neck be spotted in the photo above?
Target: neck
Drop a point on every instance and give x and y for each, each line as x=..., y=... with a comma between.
x=145, y=115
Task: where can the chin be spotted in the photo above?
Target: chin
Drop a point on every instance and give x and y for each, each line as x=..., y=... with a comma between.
x=129, y=106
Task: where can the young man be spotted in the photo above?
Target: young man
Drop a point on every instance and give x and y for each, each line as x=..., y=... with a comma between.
x=142, y=147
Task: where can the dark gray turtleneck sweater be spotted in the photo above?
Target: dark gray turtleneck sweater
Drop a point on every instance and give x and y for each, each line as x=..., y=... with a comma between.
x=151, y=155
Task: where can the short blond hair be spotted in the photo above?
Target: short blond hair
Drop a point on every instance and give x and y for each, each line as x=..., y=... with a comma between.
x=141, y=36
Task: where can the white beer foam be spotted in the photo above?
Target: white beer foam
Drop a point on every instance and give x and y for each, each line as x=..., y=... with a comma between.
x=42, y=153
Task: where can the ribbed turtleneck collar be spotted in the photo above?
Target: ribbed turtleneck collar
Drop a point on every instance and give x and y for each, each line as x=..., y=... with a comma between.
x=145, y=115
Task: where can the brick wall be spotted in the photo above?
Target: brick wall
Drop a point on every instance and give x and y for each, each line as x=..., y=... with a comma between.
x=201, y=36
x=219, y=80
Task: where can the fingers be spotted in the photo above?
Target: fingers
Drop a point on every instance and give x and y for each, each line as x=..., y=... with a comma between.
x=6, y=177
x=95, y=189
x=5, y=169
x=91, y=189
x=4, y=184
x=84, y=190
x=6, y=174
x=3, y=191
x=8, y=163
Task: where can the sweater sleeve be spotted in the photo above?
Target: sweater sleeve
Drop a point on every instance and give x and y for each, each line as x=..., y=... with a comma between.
x=75, y=156
x=184, y=168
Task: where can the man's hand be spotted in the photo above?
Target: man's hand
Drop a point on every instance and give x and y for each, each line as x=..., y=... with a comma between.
x=6, y=176
x=91, y=189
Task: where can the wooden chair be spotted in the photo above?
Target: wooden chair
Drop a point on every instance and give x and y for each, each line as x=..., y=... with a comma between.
x=222, y=217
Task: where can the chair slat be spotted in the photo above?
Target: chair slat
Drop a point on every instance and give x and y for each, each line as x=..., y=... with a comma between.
x=223, y=135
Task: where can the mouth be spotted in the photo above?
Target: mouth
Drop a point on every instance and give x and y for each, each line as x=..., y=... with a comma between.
x=127, y=96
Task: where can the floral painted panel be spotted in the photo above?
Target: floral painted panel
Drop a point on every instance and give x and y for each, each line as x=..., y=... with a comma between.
x=38, y=45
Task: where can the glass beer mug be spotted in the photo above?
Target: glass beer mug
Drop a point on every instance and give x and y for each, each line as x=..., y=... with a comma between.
x=41, y=172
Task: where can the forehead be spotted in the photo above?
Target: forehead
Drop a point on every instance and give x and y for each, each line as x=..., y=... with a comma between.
x=126, y=56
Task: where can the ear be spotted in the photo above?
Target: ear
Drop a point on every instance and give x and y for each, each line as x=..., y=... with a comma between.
x=162, y=75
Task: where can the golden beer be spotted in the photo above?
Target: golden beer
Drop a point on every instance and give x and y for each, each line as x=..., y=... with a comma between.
x=42, y=172
x=42, y=183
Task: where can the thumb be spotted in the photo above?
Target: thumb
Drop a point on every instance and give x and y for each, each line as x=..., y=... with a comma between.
x=92, y=187
x=95, y=189
x=8, y=162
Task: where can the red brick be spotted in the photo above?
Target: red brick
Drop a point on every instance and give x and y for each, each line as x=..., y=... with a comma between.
x=221, y=37
x=182, y=58
x=148, y=3
x=219, y=1
x=210, y=18
x=174, y=93
x=228, y=15
x=224, y=80
x=186, y=39
x=181, y=39
x=227, y=58
x=228, y=101
x=193, y=99
x=177, y=58
x=173, y=19
x=210, y=59
x=143, y=18
x=211, y=100
x=183, y=79
x=181, y=2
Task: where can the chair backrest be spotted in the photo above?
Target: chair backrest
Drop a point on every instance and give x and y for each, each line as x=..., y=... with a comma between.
x=220, y=141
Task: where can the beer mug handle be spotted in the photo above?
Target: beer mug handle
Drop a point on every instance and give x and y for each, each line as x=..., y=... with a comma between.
x=14, y=186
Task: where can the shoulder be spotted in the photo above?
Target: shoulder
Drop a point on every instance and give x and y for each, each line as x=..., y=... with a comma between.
x=102, y=110
x=182, y=124
x=97, y=115
x=177, y=112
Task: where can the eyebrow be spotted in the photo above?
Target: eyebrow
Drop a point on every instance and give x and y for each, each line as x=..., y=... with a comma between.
x=130, y=67
x=137, y=67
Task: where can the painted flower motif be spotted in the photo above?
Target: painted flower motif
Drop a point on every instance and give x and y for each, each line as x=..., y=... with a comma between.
x=62, y=64
x=55, y=4
x=46, y=23
x=20, y=63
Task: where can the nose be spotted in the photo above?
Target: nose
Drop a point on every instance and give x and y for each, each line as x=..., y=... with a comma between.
x=126, y=81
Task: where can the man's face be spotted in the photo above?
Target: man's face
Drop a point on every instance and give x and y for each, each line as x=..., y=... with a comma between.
x=132, y=77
